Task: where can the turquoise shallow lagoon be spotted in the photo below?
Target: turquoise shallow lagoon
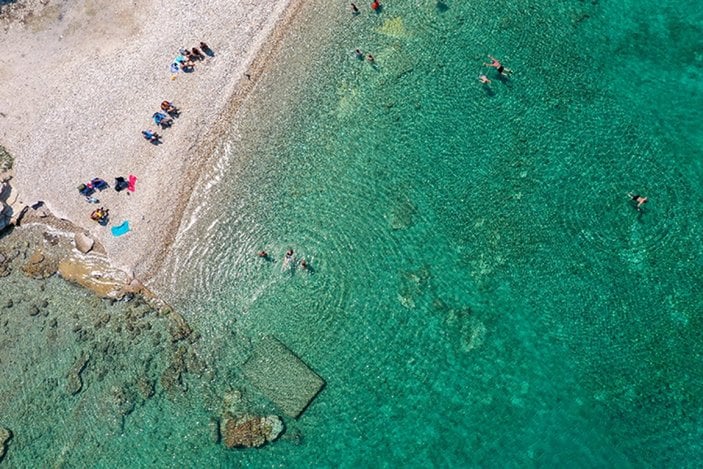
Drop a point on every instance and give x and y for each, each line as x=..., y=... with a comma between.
x=482, y=292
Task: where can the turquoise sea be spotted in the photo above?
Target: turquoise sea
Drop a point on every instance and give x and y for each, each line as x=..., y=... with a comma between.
x=482, y=290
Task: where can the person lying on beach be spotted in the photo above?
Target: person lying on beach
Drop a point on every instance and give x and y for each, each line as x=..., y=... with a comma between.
x=162, y=119
x=196, y=54
x=495, y=63
x=204, y=47
x=153, y=137
x=638, y=199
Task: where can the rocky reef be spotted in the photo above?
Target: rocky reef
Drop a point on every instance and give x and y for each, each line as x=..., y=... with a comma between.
x=249, y=431
x=5, y=436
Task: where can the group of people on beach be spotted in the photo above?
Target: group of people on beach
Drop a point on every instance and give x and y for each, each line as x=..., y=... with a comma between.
x=186, y=58
x=185, y=61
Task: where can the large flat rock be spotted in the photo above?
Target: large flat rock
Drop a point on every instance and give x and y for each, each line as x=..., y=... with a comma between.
x=282, y=377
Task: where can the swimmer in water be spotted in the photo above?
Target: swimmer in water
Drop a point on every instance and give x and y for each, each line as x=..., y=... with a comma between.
x=495, y=63
x=483, y=79
x=640, y=200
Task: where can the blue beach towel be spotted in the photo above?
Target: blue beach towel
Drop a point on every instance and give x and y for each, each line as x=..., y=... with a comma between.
x=119, y=230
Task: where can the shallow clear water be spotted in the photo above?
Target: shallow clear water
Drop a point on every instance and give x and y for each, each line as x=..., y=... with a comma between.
x=482, y=291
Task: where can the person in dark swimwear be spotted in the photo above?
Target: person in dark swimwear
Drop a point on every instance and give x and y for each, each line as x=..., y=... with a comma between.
x=289, y=254
x=263, y=254
x=495, y=63
x=640, y=200
x=354, y=9
x=304, y=264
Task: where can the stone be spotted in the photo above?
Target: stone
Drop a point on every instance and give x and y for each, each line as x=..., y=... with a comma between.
x=74, y=382
x=84, y=243
x=281, y=376
x=249, y=431
x=5, y=436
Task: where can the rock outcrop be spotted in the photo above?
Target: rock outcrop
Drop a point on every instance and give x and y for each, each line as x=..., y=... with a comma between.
x=5, y=436
x=95, y=274
x=249, y=431
x=84, y=243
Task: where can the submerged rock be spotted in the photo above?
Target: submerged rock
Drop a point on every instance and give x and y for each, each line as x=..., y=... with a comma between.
x=5, y=436
x=178, y=327
x=74, y=382
x=250, y=431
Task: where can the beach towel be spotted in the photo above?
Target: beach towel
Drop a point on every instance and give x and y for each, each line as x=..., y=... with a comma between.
x=132, y=182
x=119, y=230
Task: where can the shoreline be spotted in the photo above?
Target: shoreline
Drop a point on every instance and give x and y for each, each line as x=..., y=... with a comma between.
x=241, y=91
x=175, y=166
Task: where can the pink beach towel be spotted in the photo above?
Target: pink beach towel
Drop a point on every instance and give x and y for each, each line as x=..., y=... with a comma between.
x=132, y=182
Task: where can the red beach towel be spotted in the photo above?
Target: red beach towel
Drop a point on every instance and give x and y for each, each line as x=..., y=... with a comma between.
x=132, y=182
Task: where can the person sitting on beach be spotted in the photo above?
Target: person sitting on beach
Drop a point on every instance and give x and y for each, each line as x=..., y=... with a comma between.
x=168, y=107
x=495, y=63
x=640, y=200
x=483, y=79
x=100, y=215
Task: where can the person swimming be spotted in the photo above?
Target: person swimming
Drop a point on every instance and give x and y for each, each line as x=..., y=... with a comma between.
x=495, y=63
x=640, y=200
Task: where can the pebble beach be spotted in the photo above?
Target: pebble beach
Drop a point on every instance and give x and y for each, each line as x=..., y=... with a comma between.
x=84, y=83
